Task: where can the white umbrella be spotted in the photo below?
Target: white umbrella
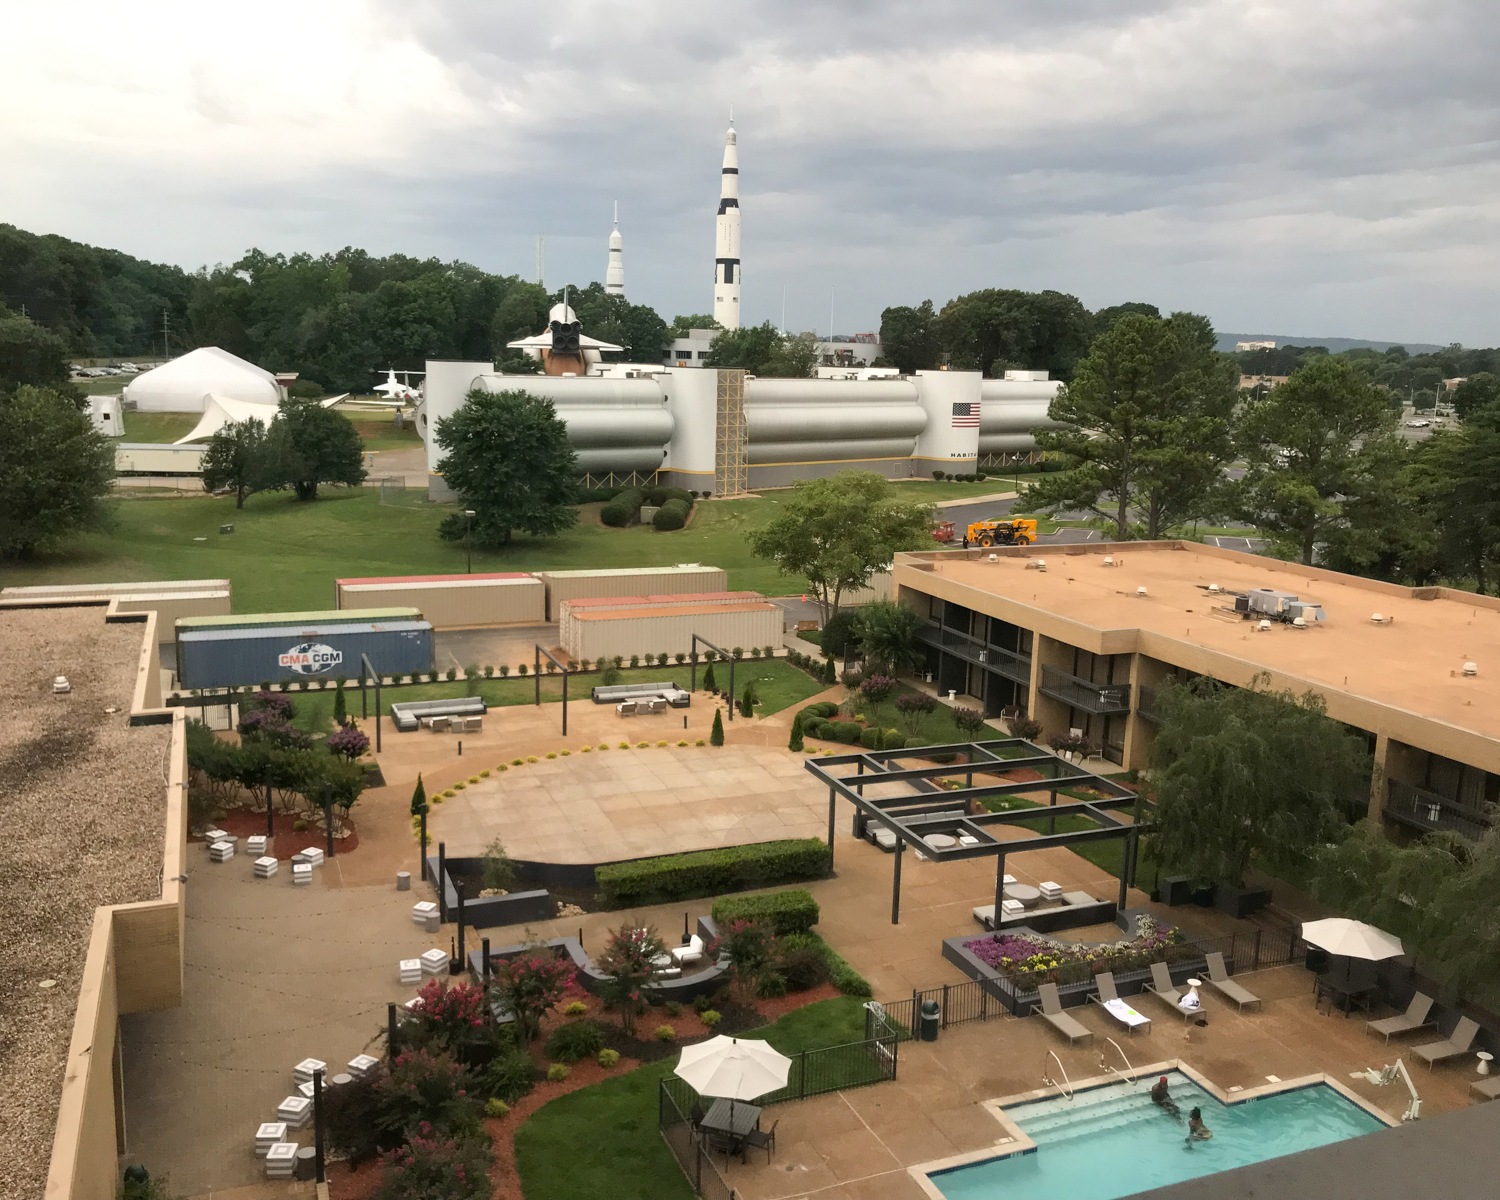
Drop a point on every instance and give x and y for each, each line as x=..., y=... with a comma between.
x=733, y=1069
x=1352, y=939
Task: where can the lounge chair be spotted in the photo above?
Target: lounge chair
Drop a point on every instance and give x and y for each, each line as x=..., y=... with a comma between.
x=1052, y=1012
x=1218, y=979
x=1162, y=988
x=690, y=952
x=1415, y=1017
x=1108, y=998
x=1487, y=1089
x=1459, y=1044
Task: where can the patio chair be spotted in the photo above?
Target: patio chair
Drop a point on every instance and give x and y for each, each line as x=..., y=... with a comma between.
x=1108, y=998
x=1052, y=1012
x=1456, y=1046
x=1218, y=979
x=689, y=952
x=698, y=1113
x=1415, y=1017
x=1162, y=988
x=1487, y=1089
x=756, y=1140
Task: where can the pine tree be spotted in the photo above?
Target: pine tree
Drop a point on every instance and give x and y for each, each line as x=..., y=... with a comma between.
x=716, y=738
x=830, y=672
x=419, y=799
x=709, y=683
x=796, y=739
x=340, y=709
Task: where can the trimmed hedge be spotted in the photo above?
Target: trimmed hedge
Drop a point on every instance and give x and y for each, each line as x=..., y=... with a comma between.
x=671, y=515
x=595, y=495
x=847, y=731
x=624, y=508
x=869, y=738
x=711, y=872
x=661, y=495
x=844, y=977
x=791, y=911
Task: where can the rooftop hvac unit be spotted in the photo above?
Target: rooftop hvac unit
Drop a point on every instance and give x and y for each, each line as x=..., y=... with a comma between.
x=994, y=558
x=1140, y=591
x=1379, y=619
x=1471, y=668
x=1214, y=589
x=1299, y=622
x=1037, y=564
x=1108, y=561
x=1263, y=627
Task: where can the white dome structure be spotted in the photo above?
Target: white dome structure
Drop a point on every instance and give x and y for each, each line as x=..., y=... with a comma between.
x=219, y=411
x=182, y=384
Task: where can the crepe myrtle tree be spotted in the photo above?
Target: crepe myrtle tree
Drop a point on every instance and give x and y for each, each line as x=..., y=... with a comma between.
x=629, y=961
x=532, y=984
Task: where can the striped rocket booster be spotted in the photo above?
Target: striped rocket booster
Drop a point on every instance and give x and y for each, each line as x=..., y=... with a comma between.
x=727, y=238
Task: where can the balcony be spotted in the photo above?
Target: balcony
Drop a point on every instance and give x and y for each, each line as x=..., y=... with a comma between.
x=1145, y=703
x=1003, y=662
x=1102, y=699
x=1417, y=808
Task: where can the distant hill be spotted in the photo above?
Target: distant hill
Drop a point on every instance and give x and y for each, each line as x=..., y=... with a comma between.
x=1336, y=345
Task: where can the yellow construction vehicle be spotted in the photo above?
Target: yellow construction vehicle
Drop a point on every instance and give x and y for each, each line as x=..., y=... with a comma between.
x=1016, y=531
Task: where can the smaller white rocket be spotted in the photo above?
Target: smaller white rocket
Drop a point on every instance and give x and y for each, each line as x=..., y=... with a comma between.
x=727, y=238
x=614, y=275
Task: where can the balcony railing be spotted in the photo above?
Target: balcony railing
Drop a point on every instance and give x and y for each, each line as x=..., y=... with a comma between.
x=1420, y=809
x=1102, y=699
x=1005, y=662
x=1145, y=703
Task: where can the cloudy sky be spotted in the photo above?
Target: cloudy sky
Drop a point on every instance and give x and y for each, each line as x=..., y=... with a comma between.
x=1318, y=167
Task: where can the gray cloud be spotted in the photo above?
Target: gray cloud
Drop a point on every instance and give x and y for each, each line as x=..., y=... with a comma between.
x=1323, y=168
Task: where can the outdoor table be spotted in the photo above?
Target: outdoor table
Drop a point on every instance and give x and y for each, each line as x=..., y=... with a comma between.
x=941, y=841
x=1344, y=994
x=1024, y=893
x=735, y=1117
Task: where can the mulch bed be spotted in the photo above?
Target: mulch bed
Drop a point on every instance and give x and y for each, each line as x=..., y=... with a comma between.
x=345, y=1183
x=244, y=822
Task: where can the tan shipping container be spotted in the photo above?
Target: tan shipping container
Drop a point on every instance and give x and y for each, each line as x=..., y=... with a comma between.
x=170, y=607
x=670, y=630
x=453, y=601
x=87, y=591
x=880, y=587
x=632, y=581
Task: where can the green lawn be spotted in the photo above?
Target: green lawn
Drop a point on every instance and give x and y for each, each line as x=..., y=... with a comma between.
x=603, y=1141
x=779, y=683
x=285, y=555
x=158, y=426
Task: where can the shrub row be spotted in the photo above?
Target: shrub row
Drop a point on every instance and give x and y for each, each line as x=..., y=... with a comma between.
x=977, y=477
x=791, y=911
x=661, y=495
x=624, y=508
x=671, y=515
x=851, y=733
x=711, y=872
x=844, y=977
x=596, y=495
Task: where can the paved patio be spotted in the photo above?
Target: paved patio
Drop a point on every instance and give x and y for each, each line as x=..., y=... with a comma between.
x=615, y=804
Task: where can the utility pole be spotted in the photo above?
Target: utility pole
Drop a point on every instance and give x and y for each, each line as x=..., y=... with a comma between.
x=541, y=260
x=166, y=350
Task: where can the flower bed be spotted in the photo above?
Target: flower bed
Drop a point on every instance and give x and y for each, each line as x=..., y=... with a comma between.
x=1032, y=959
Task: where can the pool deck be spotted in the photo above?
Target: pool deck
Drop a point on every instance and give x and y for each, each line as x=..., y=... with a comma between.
x=859, y=1144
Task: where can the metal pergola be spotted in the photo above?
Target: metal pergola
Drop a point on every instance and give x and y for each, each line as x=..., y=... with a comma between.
x=923, y=807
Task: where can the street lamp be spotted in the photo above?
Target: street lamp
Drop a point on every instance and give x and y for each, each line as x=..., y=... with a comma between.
x=468, y=549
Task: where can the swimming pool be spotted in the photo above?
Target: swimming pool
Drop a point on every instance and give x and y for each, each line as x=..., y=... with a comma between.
x=1113, y=1141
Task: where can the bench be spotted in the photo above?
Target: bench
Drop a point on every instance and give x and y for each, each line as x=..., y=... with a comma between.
x=409, y=715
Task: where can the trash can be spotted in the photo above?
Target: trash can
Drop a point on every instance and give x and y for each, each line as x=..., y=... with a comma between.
x=931, y=1017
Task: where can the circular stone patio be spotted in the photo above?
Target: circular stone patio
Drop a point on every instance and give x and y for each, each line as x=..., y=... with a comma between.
x=618, y=804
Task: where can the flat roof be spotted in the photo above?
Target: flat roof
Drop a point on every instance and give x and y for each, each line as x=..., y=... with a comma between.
x=1402, y=677
x=240, y=633
x=414, y=580
x=675, y=610
x=604, y=572
x=86, y=791
x=147, y=587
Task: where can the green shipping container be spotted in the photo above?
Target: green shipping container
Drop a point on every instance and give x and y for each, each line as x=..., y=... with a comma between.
x=345, y=616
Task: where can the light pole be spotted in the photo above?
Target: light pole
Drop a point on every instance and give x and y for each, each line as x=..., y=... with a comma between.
x=468, y=549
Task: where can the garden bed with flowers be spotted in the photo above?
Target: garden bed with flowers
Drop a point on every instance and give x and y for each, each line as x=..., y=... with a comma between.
x=1012, y=964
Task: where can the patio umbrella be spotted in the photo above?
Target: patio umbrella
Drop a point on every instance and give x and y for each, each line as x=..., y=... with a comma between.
x=1352, y=939
x=733, y=1069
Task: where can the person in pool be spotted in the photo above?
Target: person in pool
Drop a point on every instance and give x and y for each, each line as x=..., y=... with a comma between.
x=1162, y=1100
x=1197, y=1130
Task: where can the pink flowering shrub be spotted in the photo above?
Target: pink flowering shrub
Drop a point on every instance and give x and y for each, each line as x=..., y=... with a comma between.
x=1034, y=959
x=424, y=1088
x=432, y=1164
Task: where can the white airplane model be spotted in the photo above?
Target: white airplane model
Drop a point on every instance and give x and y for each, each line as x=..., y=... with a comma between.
x=400, y=394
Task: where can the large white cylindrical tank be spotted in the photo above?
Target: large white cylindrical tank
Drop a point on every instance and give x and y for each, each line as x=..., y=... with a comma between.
x=692, y=399
x=953, y=405
x=616, y=425
x=1012, y=409
x=444, y=387
x=828, y=420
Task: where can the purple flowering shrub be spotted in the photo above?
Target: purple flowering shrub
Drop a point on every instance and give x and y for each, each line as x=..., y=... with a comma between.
x=348, y=741
x=1023, y=958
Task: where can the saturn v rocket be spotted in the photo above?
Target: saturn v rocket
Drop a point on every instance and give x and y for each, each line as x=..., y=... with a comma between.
x=614, y=275
x=727, y=239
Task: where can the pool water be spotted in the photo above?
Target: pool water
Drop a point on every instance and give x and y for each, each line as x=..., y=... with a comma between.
x=1113, y=1141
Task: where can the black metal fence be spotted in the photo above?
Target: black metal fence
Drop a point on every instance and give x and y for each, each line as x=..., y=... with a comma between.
x=982, y=999
x=813, y=1073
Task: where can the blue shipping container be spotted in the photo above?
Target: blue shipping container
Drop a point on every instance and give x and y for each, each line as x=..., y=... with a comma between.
x=214, y=658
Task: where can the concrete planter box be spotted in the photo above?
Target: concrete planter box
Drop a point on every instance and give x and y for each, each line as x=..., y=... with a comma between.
x=1241, y=901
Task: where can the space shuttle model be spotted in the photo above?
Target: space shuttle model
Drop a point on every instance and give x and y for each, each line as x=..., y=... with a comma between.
x=727, y=238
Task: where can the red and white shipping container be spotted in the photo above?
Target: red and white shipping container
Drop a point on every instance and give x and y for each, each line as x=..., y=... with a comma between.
x=630, y=581
x=593, y=631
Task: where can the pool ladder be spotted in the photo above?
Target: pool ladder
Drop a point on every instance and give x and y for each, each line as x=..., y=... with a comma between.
x=1066, y=1087
x=1106, y=1068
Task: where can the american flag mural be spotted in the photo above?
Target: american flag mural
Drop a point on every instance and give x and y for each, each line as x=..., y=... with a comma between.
x=966, y=415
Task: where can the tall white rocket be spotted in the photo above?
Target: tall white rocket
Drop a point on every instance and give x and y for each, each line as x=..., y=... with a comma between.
x=614, y=275
x=727, y=238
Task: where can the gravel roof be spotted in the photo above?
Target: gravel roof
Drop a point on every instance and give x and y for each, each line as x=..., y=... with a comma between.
x=83, y=807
